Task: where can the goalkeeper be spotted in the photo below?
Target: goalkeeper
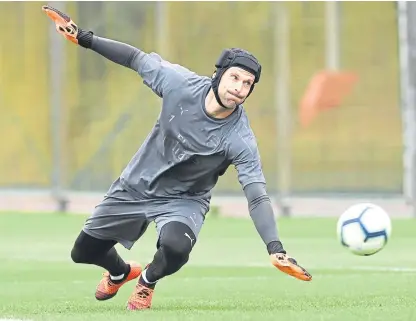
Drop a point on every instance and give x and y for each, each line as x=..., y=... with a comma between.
x=202, y=130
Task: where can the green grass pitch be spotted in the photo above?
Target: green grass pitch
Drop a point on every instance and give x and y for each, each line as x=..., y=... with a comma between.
x=228, y=277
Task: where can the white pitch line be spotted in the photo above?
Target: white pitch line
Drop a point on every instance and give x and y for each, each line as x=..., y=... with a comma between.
x=381, y=268
x=211, y=264
x=324, y=267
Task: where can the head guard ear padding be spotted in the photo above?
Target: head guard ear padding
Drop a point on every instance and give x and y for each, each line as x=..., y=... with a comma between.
x=235, y=57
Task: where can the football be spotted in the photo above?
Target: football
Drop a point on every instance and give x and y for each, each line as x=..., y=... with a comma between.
x=364, y=229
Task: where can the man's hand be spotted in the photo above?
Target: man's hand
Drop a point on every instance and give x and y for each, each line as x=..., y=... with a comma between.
x=289, y=266
x=285, y=263
x=64, y=25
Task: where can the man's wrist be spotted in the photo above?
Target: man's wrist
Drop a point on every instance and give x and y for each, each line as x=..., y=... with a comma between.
x=85, y=38
x=275, y=247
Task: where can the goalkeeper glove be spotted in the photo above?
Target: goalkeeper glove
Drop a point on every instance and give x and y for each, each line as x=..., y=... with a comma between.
x=67, y=28
x=286, y=264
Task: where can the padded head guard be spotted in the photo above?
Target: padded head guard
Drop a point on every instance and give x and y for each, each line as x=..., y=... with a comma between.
x=235, y=57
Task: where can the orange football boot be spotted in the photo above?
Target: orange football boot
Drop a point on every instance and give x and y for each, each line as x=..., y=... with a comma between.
x=107, y=289
x=141, y=298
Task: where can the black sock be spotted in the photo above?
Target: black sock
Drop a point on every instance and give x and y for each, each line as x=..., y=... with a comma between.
x=148, y=285
x=126, y=274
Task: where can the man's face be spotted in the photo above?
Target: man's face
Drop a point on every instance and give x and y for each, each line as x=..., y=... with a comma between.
x=234, y=86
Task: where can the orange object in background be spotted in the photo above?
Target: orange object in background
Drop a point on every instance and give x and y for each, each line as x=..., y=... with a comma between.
x=326, y=90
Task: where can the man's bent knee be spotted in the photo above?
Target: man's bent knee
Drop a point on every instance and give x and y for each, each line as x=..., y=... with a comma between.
x=87, y=248
x=78, y=256
x=176, y=241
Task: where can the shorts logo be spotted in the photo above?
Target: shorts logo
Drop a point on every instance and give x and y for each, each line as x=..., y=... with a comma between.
x=193, y=219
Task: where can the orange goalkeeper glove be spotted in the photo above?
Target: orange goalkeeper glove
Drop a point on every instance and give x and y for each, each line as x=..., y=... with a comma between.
x=286, y=264
x=67, y=28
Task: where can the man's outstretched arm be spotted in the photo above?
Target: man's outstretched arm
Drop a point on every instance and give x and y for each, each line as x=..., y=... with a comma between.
x=118, y=52
x=261, y=213
x=157, y=73
x=244, y=155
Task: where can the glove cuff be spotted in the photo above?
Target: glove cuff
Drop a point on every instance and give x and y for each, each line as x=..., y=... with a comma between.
x=85, y=38
x=275, y=247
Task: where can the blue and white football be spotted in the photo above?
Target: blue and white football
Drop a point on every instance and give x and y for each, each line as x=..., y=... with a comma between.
x=364, y=229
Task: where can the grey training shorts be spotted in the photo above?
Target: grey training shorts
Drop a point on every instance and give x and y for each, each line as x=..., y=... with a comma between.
x=122, y=218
